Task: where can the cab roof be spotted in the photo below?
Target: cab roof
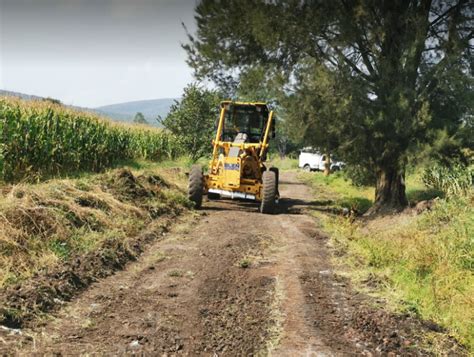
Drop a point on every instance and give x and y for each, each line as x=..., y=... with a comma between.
x=259, y=104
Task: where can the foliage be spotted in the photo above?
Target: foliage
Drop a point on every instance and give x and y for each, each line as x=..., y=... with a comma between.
x=456, y=180
x=418, y=263
x=283, y=163
x=52, y=100
x=390, y=73
x=192, y=120
x=360, y=175
x=320, y=99
x=40, y=139
x=446, y=148
x=283, y=144
x=140, y=119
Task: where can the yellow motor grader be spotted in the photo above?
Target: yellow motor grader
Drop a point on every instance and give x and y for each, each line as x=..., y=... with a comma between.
x=237, y=168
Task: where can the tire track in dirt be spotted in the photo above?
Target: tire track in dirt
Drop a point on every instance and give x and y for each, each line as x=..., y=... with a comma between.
x=192, y=293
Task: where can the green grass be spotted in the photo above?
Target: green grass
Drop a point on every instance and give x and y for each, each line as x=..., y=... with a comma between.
x=419, y=263
x=335, y=190
x=176, y=273
x=283, y=164
x=417, y=191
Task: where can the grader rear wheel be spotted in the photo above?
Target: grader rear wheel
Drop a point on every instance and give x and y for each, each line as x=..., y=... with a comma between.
x=196, y=186
x=269, y=192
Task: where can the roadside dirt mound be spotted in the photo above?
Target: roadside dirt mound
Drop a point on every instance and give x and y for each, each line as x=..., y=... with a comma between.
x=23, y=302
x=47, y=223
x=126, y=186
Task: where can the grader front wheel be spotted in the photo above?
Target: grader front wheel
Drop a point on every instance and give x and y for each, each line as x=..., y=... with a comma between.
x=269, y=192
x=196, y=186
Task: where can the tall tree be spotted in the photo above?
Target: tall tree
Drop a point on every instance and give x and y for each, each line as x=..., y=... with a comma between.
x=193, y=118
x=140, y=119
x=397, y=58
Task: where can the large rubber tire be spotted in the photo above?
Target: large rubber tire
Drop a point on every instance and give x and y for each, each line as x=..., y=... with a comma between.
x=269, y=192
x=307, y=168
x=196, y=185
x=277, y=178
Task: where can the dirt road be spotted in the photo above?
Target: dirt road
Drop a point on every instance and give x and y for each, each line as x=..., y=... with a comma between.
x=227, y=281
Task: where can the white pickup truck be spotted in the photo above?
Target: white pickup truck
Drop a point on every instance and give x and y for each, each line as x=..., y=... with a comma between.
x=313, y=160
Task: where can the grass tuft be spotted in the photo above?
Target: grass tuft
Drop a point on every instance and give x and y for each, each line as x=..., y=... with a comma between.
x=245, y=263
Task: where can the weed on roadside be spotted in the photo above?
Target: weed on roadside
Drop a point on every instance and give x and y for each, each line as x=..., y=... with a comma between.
x=245, y=263
x=176, y=273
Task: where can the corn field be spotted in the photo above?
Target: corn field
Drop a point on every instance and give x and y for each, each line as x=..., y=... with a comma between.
x=41, y=139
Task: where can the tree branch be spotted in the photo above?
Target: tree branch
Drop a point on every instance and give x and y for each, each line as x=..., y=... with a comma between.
x=413, y=63
x=349, y=62
x=360, y=43
x=444, y=14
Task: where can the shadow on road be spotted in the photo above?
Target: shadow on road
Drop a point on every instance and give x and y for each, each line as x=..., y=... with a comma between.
x=289, y=183
x=298, y=206
x=286, y=206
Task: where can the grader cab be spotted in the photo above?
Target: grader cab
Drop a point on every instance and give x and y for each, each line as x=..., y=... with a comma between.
x=237, y=168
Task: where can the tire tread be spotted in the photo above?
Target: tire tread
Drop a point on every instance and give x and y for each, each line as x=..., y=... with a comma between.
x=269, y=192
x=196, y=186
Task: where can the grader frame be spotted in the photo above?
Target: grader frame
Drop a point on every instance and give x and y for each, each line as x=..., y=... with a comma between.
x=237, y=168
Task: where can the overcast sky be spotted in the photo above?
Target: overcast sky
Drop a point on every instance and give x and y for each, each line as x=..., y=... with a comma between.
x=95, y=52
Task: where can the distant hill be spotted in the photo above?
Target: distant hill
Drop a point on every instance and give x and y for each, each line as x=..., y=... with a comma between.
x=151, y=109
x=124, y=112
x=6, y=93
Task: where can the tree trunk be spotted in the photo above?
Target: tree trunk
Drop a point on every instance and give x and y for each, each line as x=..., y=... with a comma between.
x=390, y=193
x=327, y=165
